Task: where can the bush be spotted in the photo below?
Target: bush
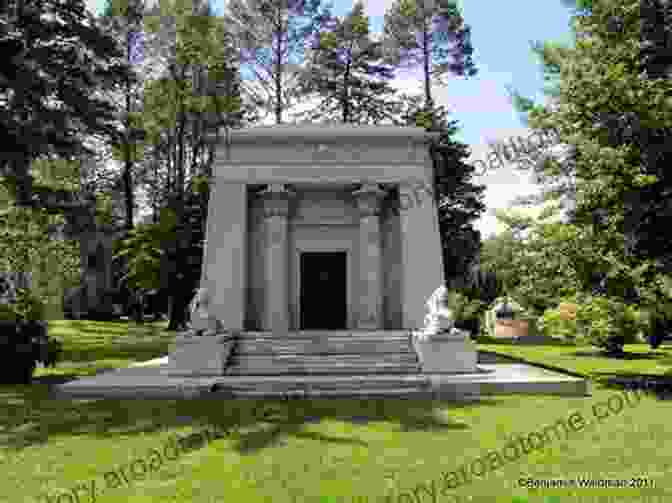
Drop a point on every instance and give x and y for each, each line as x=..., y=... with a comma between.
x=609, y=322
x=466, y=311
x=23, y=339
x=561, y=321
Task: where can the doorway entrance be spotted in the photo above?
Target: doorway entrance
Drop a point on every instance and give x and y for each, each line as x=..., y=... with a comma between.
x=323, y=298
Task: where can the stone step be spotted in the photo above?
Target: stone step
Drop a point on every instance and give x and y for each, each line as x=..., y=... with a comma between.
x=323, y=352
x=355, y=380
x=371, y=393
x=322, y=347
x=329, y=334
x=331, y=382
x=281, y=368
x=332, y=357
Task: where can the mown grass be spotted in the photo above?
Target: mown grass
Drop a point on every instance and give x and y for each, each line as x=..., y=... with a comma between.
x=348, y=450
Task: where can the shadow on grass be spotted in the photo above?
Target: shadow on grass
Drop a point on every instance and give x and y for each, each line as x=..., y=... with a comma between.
x=651, y=355
x=30, y=416
x=130, y=351
x=659, y=386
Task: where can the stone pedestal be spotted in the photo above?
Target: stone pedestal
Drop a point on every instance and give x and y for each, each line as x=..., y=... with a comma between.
x=370, y=313
x=447, y=353
x=200, y=355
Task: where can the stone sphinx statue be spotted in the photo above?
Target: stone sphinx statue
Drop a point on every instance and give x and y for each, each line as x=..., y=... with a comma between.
x=203, y=322
x=439, y=318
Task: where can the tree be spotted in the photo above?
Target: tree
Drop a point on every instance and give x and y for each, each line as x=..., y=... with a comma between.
x=27, y=244
x=272, y=35
x=54, y=58
x=459, y=201
x=341, y=69
x=179, y=109
x=614, y=115
x=431, y=35
x=124, y=20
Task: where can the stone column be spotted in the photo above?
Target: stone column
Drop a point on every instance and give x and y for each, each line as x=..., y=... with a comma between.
x=370, y=291
x=276, y=200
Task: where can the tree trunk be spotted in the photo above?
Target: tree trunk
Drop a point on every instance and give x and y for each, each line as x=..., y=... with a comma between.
x=179, y=301
x=127, y=177
x=139, y=310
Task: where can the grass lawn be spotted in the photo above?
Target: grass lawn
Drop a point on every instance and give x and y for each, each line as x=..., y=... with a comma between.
x=316, y=451
x=639, y=359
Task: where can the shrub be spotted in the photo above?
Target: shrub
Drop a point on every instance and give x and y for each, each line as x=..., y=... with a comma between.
x=24, y=340
x=466, y=311
x=561, y=321
x=609, y=322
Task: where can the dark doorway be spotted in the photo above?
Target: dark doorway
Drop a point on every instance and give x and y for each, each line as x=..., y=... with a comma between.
x=323, y=291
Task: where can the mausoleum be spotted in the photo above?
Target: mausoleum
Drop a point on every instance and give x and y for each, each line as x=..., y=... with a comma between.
x=322, y=277
x=309, y=216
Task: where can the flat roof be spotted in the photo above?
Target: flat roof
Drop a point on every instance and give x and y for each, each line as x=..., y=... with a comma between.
x=322, y=133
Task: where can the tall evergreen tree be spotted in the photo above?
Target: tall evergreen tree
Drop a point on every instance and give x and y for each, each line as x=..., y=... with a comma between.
x=125, y=20
x=344, y=70
x=272, y=35
x=177, y=115
x=458, y=199
x=430, y=35
x=54, y=57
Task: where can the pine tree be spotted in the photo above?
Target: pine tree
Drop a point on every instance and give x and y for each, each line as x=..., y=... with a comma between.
x=344, y=70
x=54, y=57
x=430, y=35
x=178, y=113
x=272, y=35
x=458, y=199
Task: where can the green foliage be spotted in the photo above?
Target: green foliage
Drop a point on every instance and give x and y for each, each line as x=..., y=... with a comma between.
x=25, y=246
x=609, y=322
x=459, y=199
x=70, y=72
x=615, y=117
x=560, y=321
x=28, y=306
x=417, y=34
x=462, y=307
x=142, y=251
x=272, y=35
x=343, y=70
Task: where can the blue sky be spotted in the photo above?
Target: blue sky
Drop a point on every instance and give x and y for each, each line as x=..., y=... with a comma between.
x=501, y=36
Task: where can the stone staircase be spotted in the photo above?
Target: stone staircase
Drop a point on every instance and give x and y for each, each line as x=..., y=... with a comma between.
x=324, y=352
x=324, y=364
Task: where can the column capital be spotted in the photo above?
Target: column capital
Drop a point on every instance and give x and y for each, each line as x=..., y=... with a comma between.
x=276, y=200
x=369, y=197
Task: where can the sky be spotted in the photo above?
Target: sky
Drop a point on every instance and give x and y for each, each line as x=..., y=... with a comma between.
x=501, y=34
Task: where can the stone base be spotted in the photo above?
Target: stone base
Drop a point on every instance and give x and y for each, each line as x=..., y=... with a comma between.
x=447, y=352
x=200, y=355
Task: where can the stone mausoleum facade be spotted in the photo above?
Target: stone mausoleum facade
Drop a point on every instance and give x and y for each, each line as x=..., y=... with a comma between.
x=327, y=227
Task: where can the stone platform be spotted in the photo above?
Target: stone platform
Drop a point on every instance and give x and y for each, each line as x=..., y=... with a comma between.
x=151, y=381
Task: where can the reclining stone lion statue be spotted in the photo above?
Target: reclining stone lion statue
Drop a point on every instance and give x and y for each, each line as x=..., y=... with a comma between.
x=203, y=322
